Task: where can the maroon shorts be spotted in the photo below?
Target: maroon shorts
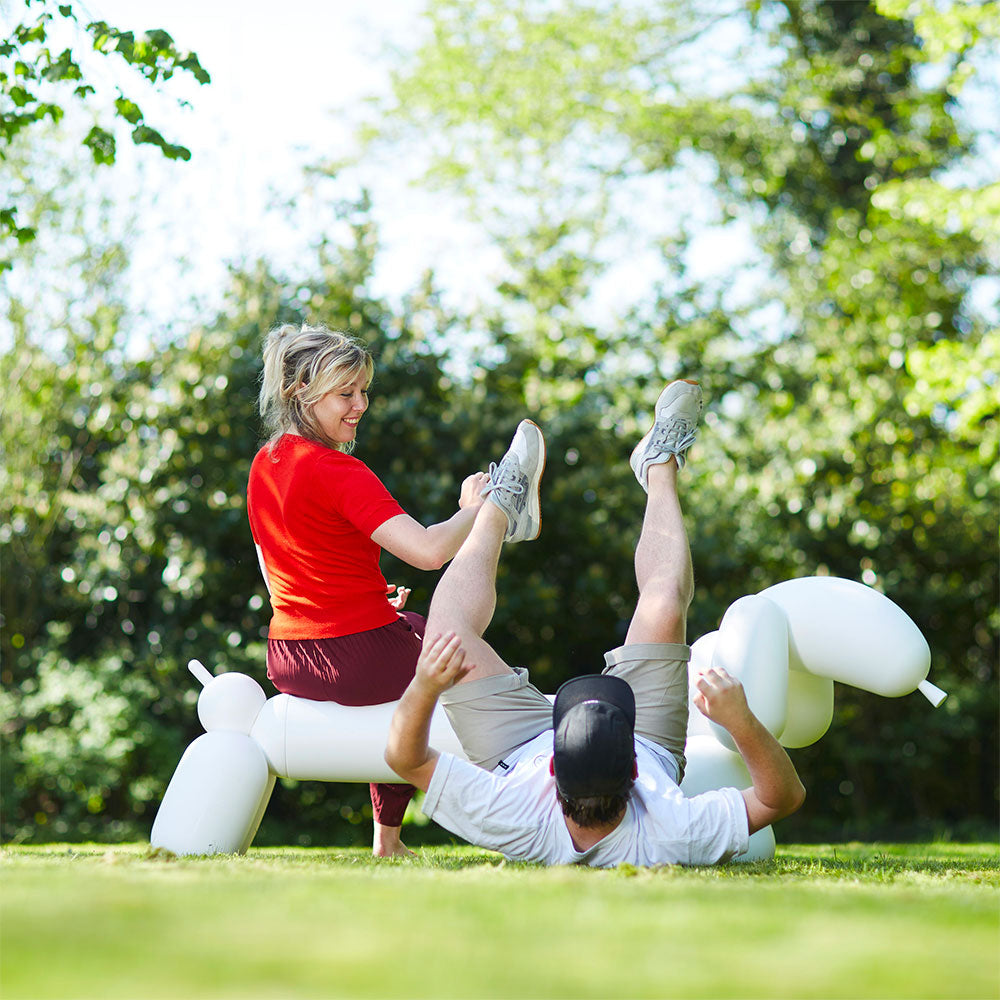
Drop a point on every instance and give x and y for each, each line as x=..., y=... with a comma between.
x=367, y=668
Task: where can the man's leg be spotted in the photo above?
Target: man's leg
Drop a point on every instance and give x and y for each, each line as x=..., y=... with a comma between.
x=493, y=709
x=662, y=564
x=465, y=597
x=662, y=556
x=654, y=657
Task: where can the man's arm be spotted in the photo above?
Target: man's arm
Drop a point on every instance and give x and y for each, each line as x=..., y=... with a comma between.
x=777, y=791
x=407, y=752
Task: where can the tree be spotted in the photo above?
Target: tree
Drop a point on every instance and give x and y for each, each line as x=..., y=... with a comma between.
x=37, y=84
x=851, y=426
x=829, y=449
x=123, y=485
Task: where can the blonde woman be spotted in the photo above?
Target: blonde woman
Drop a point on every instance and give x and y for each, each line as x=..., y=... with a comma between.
x=320, y=518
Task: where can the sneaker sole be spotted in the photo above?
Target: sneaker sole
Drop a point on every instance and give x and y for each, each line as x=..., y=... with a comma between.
x=660, y=402
x=535, y=501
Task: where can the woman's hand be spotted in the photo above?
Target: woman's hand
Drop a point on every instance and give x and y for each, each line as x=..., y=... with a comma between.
x=441, y=664
x=471, y=496
x=402, y=593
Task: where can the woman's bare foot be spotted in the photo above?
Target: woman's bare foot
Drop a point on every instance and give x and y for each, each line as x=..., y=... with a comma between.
x=387, y=843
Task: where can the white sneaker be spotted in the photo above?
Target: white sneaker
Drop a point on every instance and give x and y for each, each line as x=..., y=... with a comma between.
x=674, y=429
x=514, y=483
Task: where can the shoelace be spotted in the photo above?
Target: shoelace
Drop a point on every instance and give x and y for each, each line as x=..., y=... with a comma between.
x=505, y=476
x=674, y=436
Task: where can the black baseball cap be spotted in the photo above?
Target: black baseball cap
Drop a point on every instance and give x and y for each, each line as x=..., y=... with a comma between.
x=594, y=744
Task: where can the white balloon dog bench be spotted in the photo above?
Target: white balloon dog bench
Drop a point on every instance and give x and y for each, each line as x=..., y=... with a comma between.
x=787, y=645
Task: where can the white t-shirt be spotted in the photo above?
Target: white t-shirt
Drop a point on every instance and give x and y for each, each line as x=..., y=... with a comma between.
x=516, y=812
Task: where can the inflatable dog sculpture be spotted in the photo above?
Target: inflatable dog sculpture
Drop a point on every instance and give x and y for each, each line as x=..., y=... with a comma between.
x=787, y=645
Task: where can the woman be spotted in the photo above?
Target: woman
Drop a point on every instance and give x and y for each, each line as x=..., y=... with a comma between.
x=320, y=519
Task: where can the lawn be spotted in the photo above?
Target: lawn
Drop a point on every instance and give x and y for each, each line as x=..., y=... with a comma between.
x=856, y=920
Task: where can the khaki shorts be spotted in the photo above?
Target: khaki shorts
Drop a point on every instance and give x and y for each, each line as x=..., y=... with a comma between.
x=494, y=716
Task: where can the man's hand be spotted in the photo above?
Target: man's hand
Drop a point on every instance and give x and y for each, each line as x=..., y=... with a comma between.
x=776, y=791
x=720, y=697
x=441, y=664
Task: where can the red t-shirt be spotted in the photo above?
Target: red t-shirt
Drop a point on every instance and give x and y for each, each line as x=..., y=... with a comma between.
x=312, y=513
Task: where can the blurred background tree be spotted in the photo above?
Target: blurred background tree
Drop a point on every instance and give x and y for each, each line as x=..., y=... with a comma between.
x=849, y=360
x=853, y=396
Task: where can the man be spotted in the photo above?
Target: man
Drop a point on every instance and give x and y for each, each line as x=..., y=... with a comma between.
x=592, y=779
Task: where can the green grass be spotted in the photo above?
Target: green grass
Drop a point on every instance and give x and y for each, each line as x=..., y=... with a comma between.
x=857, y=920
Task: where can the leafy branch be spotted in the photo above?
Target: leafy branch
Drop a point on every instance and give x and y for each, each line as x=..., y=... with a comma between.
x=38, y=83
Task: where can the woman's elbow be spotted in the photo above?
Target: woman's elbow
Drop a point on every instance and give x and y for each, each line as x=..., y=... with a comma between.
x=430, y=558
x=430, y=551
x=422, y=557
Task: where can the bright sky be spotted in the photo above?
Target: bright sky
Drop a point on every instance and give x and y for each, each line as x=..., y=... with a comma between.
x=287, y=81
x=286, y=84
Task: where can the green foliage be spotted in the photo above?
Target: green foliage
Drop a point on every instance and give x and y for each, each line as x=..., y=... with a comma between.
x=38, y=84
x=125, y=514
x=946, y=30
x=851, y=428
x=85, y=724
x=852, y=425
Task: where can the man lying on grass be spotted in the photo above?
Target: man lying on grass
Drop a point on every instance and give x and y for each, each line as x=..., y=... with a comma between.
x=594, y=778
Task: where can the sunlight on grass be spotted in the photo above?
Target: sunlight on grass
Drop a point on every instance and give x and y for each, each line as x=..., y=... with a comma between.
x=856, y=920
